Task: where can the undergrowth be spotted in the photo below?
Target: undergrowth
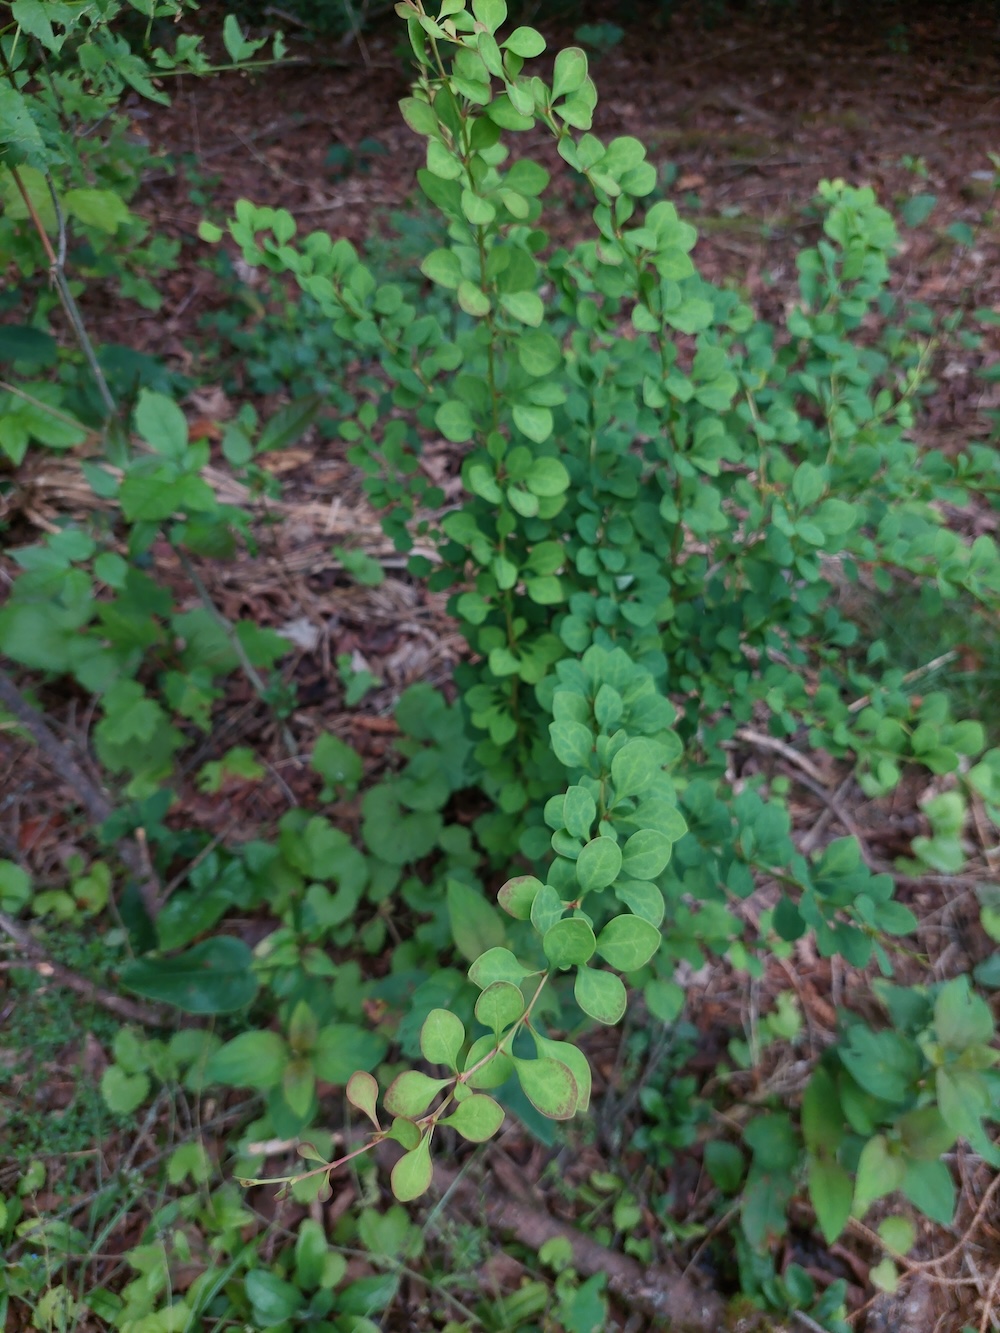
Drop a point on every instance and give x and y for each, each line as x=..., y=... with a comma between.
x=663, y=497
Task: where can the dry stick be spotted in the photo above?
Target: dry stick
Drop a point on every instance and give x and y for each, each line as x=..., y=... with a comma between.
x=58, y=275
x=93, y=800
x=660, y=1293
x=39, y=961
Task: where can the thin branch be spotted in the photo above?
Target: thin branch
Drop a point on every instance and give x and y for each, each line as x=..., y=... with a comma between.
x=95, y=803
x=36, y=958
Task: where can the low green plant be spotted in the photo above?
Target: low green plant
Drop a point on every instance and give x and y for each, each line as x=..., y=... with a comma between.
x=662, y=496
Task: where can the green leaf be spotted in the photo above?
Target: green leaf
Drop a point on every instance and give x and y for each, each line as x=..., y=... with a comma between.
x=20, y=342
x=161, y=423
x=411, y=1176
x=250, y=1060
x=918, y=209
x=879, y=1172
x=930, y=1187
x=569, y=943
x=442, y=267
x=725, y=1164
x=549, y=1086
x=412, y=1092
x=362, y=1093
x=598, y=864
x=492, y=14
x=123, y=1093
x=442, y=1038
x=336, y=762
x=634, y=769
x=547, y=477
x=646, y=854
x=579, y=812
x=15, y=888
x=572, y=743
x=104, y=209
x=18, y=129
x=274, y=1301
x=524, y=306
x=599, y=994
x=628, y=943
x=477, y=1118
x=570, y=71
x=500, y=1005
x=831, y=1191
x=525, y=42
x=517, y=896
x=290, y=423
x=497, y=965
x=454, y=420
x=476, y=926
x=341, y=1049
x=961, y=1018
x=213, y=977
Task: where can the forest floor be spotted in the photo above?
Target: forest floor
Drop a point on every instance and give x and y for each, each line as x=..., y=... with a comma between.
x=743, y=119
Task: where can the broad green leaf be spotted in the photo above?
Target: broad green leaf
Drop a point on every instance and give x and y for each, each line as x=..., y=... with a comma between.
x=161, y=423
x=517, y=896
x=572, y=743
x=500, y=1005
x=344, y=1048
x=273, y=1300
x=600, y=994
x=476, y=926
x=492, y=14
x=570, y=71
x=412, y=1092
x=213, y=977
x=961, y=1018
x=628, y=943
x=442, y=1038
x=549, y=1086
x=525, y=42
x=497, y=965
x=411, y=1176
x=123, y=1093
x=103, y=209
x=569, y=943
x=633, y=770
x=831, y=1192
x=646, y=854
x=249, y=1060
x=570, y=1055
x=879, y=1172
x=455, y=422
x=362, y=1092
x=598, y=864
x=477, y=1118
x=493, y=1067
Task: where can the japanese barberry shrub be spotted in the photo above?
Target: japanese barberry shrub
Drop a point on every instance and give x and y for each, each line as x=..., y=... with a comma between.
x=662, y=495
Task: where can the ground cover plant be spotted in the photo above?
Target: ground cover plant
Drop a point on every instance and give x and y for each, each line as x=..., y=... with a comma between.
x=656, y=500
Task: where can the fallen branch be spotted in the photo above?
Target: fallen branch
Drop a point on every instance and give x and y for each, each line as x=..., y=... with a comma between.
x=98, y=807
x=35, y=958
x=660, y=1293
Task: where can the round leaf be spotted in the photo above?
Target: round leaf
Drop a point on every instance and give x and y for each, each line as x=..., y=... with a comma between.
x=646, y=854
x=628, y=943
x=500, y=1005
x=441, y=1038
x=549, y=1086
x=602, y=995
x=599, y=863
x=412, y=1092
x=517, y=895
x=477, y=1118
x=362, y=1092
x=250, y=1060
x=569, y=943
